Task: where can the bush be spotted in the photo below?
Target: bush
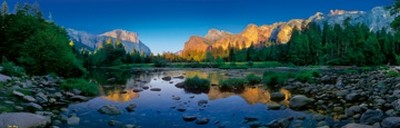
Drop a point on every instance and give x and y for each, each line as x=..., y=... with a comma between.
x=276, y=78
x=392, y=73
x=86, y=87
x=253, y=79
x=197, y=84
x=233, y=83
x=160, y=63
x=306, y=76
x=250, y=63
x=9, y=68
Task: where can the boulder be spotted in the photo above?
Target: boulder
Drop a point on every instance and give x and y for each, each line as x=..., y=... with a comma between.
x=131, y=107
x=29, y=98
x=299, y=101
x=15, y=92
x=371, y=116
x=274, y=106
x=277, y=96
x=155, y=89
x=396, y=105
x=354, y=125
x=73, y=120
x=202, y=121
x=79, y=98
x=167, y=78
x=352, y=96
x=180, y=85
x=202, y=102
x=391, y=122
x=189, y=118
x=23, y=120
x=4, y=78
x=109, y=110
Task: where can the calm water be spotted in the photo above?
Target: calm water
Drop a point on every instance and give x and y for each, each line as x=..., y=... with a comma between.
x=158, y=109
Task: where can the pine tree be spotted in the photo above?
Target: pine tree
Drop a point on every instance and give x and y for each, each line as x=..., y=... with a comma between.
x=4, y=8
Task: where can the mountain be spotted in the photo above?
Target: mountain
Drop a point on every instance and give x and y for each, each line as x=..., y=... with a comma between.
x=280, y=32
x=130, y=40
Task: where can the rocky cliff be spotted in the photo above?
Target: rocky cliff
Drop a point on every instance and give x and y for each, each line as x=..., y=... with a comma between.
x=130, y=40
x=376, y=19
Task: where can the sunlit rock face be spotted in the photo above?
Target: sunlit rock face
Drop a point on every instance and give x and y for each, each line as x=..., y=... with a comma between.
x=281, y=32
x=130, y=40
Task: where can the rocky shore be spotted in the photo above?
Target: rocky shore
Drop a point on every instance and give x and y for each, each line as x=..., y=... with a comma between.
x=36, y=101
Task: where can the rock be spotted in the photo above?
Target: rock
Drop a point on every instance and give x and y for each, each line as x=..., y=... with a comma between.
x=274, y=106
x=299, y=101
x=18, y=93
x=181, y=108
x=353, y=110
x=282, y=123
x=76, y=91
x=155, y=89
x=145, y=87
x=342, y=93
x=179, y=77
x=250, y=119
x=35, y=106
x=29, y=98
x=396, y=105
x=354, y=125
x=371, y=116
x=109, y=110
x=79, y=98
x=58, y=94
x=137, y=90
x=113, y=123
x=277, y=96
x=202, y=121
x=254, y=124
x=391, y=122
x=23, y=120
x=176, y=98
x=167, y=78
x=189, y=118
x=180, y=85
x=202, y=102
x=131, y=107
x=4, y=78
x=352, y=96
x=41, y=97
x=129, y=126
x=322, y=124
x=73, y=120
x=319, y=117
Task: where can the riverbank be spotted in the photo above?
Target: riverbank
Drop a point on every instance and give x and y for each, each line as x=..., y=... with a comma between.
x=36, y=101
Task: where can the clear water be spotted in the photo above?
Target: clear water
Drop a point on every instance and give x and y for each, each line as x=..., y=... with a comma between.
x=158, y=109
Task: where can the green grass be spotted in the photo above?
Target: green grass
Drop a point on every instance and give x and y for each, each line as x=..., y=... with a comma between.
x=306, y=75
x=233, y=83
x=392, y=73
x=274, y=78
x=9, y=68
x=86, y=87
x=197, y=83
x=253, y=79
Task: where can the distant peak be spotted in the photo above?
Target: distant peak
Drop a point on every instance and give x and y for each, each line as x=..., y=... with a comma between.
x=123, y=35
x=342, y=12
x=215, y=34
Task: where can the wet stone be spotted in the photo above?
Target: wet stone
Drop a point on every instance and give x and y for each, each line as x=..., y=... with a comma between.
x=189, y=118
x=155, y=89
x=202, y=121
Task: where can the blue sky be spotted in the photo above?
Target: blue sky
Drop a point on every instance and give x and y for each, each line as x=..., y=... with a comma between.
x=165, y=25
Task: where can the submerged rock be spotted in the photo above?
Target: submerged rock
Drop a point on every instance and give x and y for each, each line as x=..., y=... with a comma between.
x=202, y=102
x=274, y=106
x=155, y=89
x=189, y=118
x=109, y=110
x=131, y=107
x=23, y=120
x=73, y=120
x=202, y=121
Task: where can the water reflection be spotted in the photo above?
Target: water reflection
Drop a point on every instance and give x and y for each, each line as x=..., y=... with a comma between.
x=140, y=81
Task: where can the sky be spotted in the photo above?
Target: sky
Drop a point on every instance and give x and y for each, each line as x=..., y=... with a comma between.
x=165, y=25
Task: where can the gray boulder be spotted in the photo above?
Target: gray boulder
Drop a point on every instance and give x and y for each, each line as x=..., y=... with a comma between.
x=371, y=116
x=277, y=96
x=299, y=101
x=4, y=78
x=391, y=122
x=110, y=110
x=354, y=125
x=23, y=120
x=73, y=120
x=396, y=105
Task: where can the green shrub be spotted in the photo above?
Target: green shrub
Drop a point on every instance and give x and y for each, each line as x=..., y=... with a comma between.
x=9, y=68
x=253, y=79
x=275, y=78
x=392, y=73
x=306, y=76
x=233, y=83
x=86, y=87
x=197, y=83
x=250, y=63
x=160, y=63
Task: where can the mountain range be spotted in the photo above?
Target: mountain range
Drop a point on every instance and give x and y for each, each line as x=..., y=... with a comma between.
x=280, y=32
x=130, y=40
